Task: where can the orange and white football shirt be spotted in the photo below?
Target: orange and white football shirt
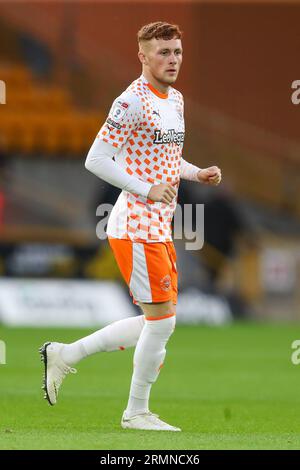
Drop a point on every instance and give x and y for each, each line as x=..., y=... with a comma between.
x=147, y=129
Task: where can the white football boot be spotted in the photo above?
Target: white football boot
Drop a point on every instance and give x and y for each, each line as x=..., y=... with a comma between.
x=55, y=370
x=147, y=421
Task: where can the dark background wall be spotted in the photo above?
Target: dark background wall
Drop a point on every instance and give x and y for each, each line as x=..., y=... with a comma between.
x=239, y=57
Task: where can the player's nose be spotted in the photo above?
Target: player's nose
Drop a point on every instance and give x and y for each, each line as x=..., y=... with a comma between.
x=173, y=59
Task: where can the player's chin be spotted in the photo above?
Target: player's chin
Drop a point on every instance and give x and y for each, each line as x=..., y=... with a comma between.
x=170, y=78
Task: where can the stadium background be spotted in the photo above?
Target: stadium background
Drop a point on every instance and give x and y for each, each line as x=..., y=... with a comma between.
x=63, y=63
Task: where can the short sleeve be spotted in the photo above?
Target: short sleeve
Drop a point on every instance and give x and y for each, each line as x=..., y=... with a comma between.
x=123, y=118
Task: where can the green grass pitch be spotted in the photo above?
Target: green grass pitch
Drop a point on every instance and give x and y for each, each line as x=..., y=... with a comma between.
x=230, y=387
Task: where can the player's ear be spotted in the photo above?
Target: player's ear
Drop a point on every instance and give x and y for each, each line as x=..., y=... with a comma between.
x=142, y=57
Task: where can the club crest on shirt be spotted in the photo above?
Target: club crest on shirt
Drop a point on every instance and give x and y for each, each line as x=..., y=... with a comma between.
x=119, y=110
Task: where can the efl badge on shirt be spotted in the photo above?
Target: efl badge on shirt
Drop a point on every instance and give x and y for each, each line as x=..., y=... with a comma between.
x=119, y=110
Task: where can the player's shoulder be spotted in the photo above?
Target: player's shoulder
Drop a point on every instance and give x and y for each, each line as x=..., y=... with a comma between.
x=176, y=94
x=132, y=94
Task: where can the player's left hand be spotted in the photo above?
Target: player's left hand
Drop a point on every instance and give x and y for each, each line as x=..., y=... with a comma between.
x=211, y=175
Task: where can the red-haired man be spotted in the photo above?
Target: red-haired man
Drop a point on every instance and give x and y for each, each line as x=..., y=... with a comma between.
x=144, y=132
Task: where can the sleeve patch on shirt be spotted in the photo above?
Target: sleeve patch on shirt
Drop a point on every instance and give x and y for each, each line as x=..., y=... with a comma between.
x=113, y=123
x=119, y=110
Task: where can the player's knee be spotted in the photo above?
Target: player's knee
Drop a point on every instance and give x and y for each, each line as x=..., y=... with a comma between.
x=158, y=310
x=165, y=326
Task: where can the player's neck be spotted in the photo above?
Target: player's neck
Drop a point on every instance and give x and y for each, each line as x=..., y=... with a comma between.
x=160, y=87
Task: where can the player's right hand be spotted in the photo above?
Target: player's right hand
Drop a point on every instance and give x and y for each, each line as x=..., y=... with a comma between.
x=162, y=193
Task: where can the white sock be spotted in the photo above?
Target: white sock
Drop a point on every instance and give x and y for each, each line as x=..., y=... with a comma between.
x=148, y=359
x=119, y=335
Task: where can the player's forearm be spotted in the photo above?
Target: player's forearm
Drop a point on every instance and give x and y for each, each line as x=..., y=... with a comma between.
x=188, y=171
x=99, y=162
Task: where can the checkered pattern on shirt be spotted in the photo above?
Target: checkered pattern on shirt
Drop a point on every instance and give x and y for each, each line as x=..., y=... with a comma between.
x=155, y=163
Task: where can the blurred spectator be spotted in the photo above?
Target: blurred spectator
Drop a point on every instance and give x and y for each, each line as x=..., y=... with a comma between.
x=36, y=55
x=224, y=224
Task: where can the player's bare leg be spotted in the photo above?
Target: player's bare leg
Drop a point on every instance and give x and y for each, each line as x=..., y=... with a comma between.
x=148, y=359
